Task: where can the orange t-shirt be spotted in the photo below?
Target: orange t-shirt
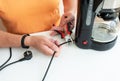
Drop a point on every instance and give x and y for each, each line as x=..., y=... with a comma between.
x=29, y=16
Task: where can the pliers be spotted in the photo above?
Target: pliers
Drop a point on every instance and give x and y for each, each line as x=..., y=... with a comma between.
x=66, y=33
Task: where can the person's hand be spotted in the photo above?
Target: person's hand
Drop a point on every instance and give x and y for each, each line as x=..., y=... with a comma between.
x=66, y=17
x=43, y=44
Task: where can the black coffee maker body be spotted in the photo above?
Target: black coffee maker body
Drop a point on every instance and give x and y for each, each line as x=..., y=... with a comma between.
x=84, y=35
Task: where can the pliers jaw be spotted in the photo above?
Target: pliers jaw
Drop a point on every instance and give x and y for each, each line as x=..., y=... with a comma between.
x=66, y=33
x=68, y=38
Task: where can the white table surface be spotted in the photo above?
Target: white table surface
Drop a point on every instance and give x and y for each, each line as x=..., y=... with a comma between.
x=73, y=64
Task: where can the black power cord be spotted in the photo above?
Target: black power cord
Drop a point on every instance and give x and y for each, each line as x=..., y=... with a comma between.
x=8, y=58
x=27, y=56
x=46, y=72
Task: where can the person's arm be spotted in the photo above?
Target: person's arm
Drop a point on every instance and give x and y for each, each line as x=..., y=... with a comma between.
x=43, y=44
x=70, y=6
x=9, y=40
x=70, y=9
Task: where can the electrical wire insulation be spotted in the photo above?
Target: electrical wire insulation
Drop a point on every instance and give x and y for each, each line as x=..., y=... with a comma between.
x=46, y=72
x=8, y=58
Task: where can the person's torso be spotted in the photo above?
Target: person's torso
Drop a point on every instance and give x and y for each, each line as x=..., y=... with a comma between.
x=29, y=16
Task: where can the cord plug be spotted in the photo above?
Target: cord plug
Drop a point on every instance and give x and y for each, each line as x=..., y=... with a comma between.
x=27, y=56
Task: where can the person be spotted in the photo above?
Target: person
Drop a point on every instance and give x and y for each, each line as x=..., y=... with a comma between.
x=22, y=17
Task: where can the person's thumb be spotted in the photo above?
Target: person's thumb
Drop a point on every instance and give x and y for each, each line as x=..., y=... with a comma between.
x=53, y=32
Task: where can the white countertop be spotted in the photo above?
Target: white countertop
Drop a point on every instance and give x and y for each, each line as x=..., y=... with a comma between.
x=73, y=64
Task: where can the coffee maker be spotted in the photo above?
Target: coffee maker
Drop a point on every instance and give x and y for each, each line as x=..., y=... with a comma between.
x=99, y=36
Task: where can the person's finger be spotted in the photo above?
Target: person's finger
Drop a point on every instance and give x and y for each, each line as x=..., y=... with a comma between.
x=53, y=28
x=52, y=45
x=53, y=32
x=66, y=20
x=46, y=50
x=56, y=28
x=56, y=42
x=58, y=52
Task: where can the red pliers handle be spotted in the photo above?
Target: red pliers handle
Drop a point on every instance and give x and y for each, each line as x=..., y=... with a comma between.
x=66, y=33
